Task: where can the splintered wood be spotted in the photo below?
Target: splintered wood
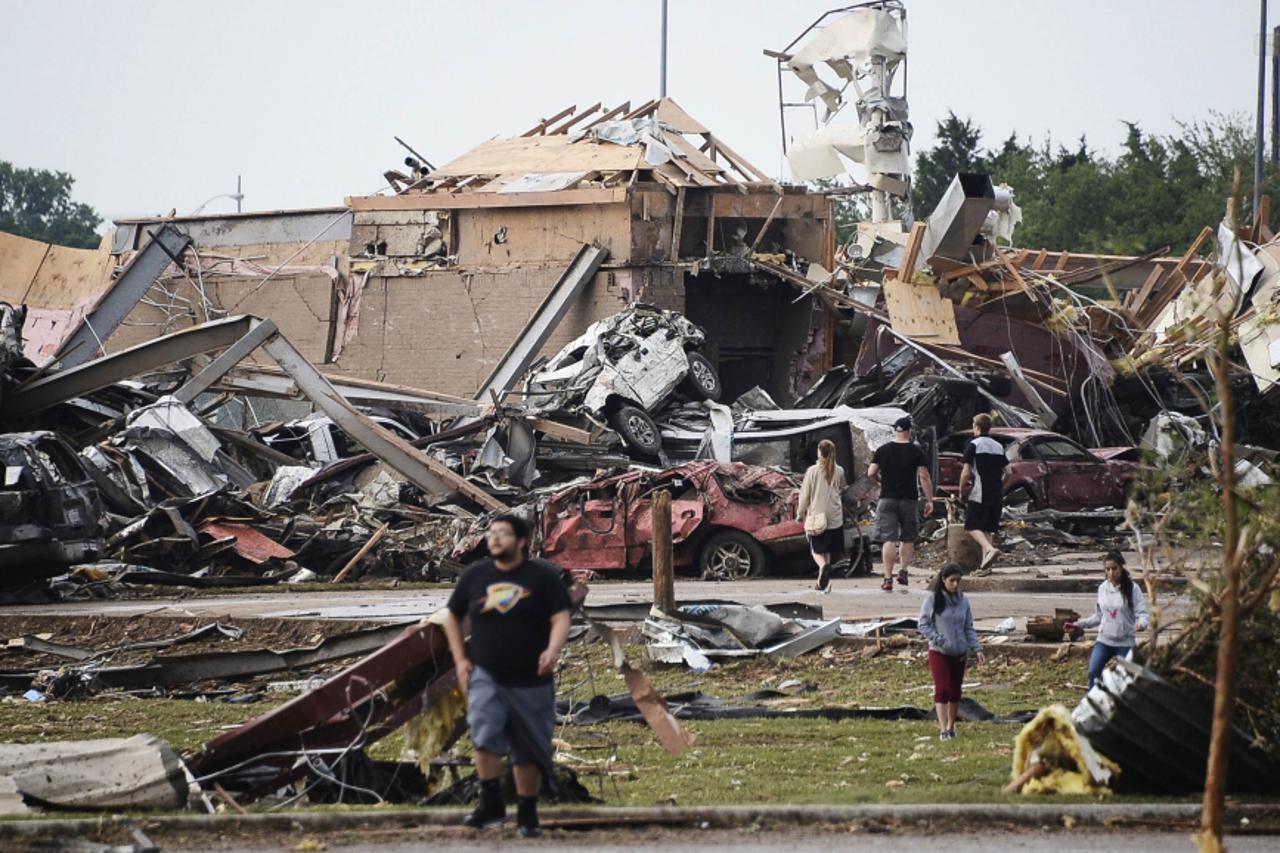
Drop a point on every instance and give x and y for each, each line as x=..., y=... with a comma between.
x=918, y=310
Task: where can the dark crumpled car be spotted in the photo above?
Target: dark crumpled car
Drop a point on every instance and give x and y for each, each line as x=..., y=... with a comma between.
x=1048, y=470
x=50, y=511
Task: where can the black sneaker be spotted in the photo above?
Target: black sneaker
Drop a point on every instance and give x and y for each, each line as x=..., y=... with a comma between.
x=527, y=818
x=487, y=815
x=902, y=577
x=887, y=584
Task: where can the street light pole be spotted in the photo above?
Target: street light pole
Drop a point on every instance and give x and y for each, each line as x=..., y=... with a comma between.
x=662, y=63
x=1262, y=107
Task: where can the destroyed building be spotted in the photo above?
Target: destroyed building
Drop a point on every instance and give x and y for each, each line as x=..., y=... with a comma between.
x=431, y=286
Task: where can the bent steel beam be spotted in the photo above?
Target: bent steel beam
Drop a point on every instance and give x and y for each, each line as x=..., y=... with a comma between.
x=152, y=355
x=261, y=331
x=425, y=472
x=538, y=330
x=85, y=343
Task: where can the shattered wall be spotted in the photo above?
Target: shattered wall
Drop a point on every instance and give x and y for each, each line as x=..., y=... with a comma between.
x=58, y=283
x=445, y=330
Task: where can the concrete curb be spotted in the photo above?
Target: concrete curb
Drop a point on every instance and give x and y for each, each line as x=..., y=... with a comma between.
x=1260, y=817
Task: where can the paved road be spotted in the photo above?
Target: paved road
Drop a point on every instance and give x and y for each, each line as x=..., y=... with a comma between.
x=856, y=599
x=777, y=842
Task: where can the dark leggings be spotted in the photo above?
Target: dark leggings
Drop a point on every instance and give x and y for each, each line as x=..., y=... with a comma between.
x=948, y=676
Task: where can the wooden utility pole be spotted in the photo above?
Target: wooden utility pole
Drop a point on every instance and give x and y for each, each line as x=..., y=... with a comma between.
x=1215, y=780
x=664, y=589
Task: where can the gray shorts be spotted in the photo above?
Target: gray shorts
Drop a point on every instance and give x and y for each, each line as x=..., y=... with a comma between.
x=897, y=520
x=511, y=720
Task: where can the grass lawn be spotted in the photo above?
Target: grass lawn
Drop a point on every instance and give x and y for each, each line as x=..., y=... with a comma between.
x=733, y=761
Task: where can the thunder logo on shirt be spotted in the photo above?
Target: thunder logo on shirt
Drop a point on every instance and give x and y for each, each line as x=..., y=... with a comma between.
x=502, y=597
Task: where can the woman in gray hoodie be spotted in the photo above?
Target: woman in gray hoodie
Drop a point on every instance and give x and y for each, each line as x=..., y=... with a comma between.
x=946, y=621
x=1121, y=612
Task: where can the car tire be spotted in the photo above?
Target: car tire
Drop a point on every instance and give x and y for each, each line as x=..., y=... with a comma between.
x=732, y=555
x=638, y=430
x=702, y=382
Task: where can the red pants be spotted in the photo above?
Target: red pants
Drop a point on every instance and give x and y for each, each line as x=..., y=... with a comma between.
x=948, y=675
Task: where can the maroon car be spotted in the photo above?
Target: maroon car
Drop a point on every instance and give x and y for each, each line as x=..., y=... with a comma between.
x=727, y=519
x=1048, y=471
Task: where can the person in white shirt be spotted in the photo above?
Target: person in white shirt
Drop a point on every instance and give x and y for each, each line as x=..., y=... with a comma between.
x=1121, y=612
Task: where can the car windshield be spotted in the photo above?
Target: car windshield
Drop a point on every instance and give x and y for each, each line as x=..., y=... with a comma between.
x=1059, y=450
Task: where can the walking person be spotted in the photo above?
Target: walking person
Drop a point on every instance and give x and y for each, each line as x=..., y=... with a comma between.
x=984, y=464
x=822, y=511
x=946, y=621
x=897, y=466
x=1121, y=612
x=519, y=611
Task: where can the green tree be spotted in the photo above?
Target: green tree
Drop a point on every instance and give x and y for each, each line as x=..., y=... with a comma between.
x=36, y=203
x=1156, y=191
x=955, y=151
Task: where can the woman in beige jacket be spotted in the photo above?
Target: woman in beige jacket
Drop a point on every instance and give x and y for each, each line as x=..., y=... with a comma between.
x=822, y=512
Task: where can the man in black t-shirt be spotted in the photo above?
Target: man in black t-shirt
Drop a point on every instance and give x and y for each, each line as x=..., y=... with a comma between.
x=985, y=456
x=519, y=611
x=897, y=466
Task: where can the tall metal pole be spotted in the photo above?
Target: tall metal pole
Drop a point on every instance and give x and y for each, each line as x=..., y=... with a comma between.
x=662, y=70
x=1262, y=105
x=1275, y=96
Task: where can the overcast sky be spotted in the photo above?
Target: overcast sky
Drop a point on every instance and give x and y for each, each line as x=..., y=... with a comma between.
x=159, y=105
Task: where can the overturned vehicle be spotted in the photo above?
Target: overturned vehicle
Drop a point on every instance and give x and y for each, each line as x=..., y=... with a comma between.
x=623, y=368
x=50, y=510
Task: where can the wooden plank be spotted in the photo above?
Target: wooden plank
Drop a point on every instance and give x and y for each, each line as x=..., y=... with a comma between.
x=642, y=110
x=555, y=429
x=911, y=254
x=671, y=113
x=919, y=311
x=437, y=201
x=610, y=114
x=1174, y=283
x=1139, y=298
x=740, y=163
x=678, y=227
x=1040, y=259
x=711, y=228
x=542, y=154
x=765, y=226
x=1062, y=262
x=541, y=127
x=572, y=120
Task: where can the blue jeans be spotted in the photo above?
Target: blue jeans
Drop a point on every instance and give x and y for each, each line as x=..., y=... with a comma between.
x=1101, y=654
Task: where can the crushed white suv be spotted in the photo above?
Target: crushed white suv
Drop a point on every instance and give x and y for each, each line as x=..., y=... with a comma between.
x=623, y=368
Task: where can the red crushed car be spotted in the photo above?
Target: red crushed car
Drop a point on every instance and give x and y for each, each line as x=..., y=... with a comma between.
x=728, y=519
x=1048, y=470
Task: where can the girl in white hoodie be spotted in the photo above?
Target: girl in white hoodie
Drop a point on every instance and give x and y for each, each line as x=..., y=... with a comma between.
x=1120, y=613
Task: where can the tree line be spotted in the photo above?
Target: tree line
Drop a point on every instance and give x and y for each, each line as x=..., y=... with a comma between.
x=1158, y=190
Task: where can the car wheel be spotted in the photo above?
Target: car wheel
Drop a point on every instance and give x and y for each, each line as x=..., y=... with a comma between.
x=637, y=429
x=732, y=555
x=702, y=382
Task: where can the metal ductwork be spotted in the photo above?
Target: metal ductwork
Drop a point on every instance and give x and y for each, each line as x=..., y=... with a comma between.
x=956, y=223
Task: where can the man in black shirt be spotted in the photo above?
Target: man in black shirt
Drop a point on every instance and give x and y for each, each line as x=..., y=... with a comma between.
x=519, y=611
x=897, y=466
x=985, y=456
